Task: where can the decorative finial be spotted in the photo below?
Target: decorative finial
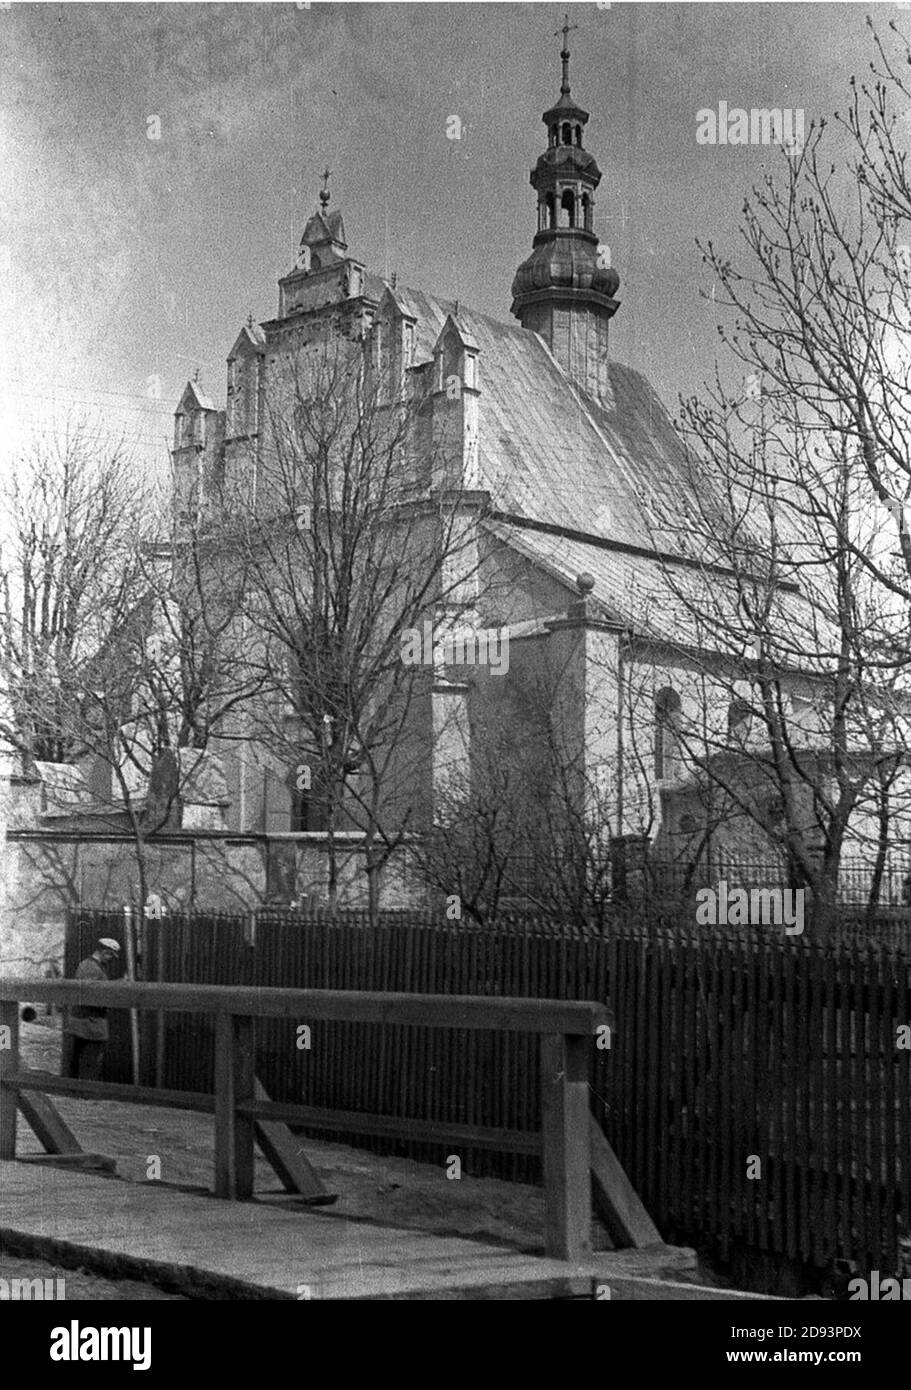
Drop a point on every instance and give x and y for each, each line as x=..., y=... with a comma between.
x=585, y=582
x=564, y=54
x=196, y=377
x=394, y=279
x=250, y=320
x=324, y=191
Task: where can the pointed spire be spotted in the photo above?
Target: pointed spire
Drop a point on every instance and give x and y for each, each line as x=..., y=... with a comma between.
x=564, y=54
x=565, y=106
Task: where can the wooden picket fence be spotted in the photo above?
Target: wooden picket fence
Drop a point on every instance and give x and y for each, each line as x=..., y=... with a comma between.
x=755, y=1089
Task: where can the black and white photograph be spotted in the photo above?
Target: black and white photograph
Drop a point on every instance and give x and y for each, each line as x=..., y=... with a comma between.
x=455, y=671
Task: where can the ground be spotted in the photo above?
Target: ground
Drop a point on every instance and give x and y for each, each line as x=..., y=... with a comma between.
x=81, y=1286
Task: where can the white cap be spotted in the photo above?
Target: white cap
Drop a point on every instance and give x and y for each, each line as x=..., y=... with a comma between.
x=109, y=944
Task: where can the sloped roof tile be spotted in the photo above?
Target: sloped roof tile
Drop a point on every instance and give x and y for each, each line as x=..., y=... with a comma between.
x=659, y=599
x=550, y=452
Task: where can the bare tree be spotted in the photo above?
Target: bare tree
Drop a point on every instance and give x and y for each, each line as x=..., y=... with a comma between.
x=119, y=645
x=822, y=317
x=361, y=532
x=476, y=852
x=69, y=515
x=796, y=542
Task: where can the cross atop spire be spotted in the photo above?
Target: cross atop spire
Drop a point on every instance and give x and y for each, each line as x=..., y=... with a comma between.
x=324, y=191
x=564, y=53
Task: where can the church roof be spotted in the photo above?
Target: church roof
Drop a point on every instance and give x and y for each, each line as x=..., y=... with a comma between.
x=549, y=452
x=614, y=474
x=647, y=594
x=324, y=226
x=195, y=396
x=251, y=335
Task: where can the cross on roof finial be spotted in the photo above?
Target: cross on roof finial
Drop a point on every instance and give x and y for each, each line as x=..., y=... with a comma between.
x=564, y=54
x=324, y=192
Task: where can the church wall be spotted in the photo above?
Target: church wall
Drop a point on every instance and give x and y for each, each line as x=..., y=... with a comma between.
x=197, y=463
x=513, y=590
x=601, y=733
x=510, y=726
x=658, y=807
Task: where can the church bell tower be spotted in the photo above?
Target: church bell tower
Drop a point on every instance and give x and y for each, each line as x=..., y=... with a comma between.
x=565, y=289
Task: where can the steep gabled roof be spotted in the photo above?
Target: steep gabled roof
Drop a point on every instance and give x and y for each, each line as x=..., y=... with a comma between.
x=323, y=227
x=614, y=475
x=251, y=338
x=549, y=452
x=194, y=397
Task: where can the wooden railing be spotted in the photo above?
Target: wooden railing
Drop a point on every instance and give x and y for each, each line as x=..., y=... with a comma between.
x=242, y=1114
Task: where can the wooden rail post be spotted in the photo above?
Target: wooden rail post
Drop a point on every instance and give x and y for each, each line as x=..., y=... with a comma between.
x=234, y=1086
x=566, y=1137
x=9, y=1065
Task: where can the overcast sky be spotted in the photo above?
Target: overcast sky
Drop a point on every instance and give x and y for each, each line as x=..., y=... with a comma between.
x=126, y=261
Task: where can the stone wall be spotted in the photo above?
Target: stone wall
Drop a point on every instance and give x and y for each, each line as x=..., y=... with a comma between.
x=43, y=874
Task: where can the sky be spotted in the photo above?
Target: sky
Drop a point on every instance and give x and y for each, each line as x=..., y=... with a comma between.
x=158, y=164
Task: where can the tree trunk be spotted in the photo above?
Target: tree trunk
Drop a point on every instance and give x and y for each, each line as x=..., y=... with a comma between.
x=824, y=908
x=882, y=851
x=374, y=871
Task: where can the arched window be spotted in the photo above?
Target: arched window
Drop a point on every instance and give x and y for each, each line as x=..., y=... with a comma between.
x=551, y=211
x=554, y=134
x=586, y=212
x=579, y=136
x=568, y=208
x=667, y=733
x=567, y=133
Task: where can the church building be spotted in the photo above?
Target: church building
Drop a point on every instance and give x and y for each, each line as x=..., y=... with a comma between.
x=583, y=492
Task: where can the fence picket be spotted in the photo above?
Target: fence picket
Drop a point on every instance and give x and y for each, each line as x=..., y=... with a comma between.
x=722, y=1046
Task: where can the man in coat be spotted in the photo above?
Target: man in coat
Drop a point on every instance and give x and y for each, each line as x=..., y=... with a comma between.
x=87, y=1023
